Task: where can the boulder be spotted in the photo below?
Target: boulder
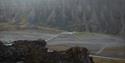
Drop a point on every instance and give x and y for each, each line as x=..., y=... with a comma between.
x=35, y=51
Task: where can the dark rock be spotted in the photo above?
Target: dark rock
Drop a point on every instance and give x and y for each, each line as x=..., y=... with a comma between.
x=35, y=51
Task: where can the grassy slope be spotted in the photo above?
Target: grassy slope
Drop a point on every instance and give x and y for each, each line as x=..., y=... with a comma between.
x=96, y=59
x=115, y=49
x=13, y=27
x=83, y=34
x=103, y=60
x=89, y=34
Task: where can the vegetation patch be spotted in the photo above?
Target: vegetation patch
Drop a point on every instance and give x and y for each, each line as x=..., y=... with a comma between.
x=61, y=47
x=81, y=34
x=58, y=47
x=14, y=27
x=115, y=49
x=104, y=60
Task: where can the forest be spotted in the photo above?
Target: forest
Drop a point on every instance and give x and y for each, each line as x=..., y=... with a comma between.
x=104, y=16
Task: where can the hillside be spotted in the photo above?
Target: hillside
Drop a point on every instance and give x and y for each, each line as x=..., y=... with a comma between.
x=105, y=16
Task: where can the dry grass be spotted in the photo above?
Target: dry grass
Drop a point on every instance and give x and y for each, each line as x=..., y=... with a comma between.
x=58, y=47
x=12, y=27
x=96, y=59
x=103, y=60
x=79, y=34
x=50, y=30
x=115, y=49
x=6, y=26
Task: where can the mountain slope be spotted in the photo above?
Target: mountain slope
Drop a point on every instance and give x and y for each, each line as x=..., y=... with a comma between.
x=73, y=15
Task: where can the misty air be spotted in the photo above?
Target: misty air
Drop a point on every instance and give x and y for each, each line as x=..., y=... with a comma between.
x=62, y=31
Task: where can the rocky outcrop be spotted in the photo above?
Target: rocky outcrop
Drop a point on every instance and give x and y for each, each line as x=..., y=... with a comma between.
x=35, y=51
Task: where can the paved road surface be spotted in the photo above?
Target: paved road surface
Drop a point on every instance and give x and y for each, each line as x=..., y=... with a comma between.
x=24, y=35
x=95, y=43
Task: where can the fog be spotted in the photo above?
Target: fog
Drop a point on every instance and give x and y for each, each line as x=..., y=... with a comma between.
x=106, y=16
x=98, y=25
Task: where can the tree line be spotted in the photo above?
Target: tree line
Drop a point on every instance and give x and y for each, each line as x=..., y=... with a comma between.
x=105, y=16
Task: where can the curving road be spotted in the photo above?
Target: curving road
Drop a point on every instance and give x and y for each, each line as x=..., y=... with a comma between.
x=95, y=43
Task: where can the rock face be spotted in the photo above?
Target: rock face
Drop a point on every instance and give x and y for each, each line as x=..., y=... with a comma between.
x=35, y=51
